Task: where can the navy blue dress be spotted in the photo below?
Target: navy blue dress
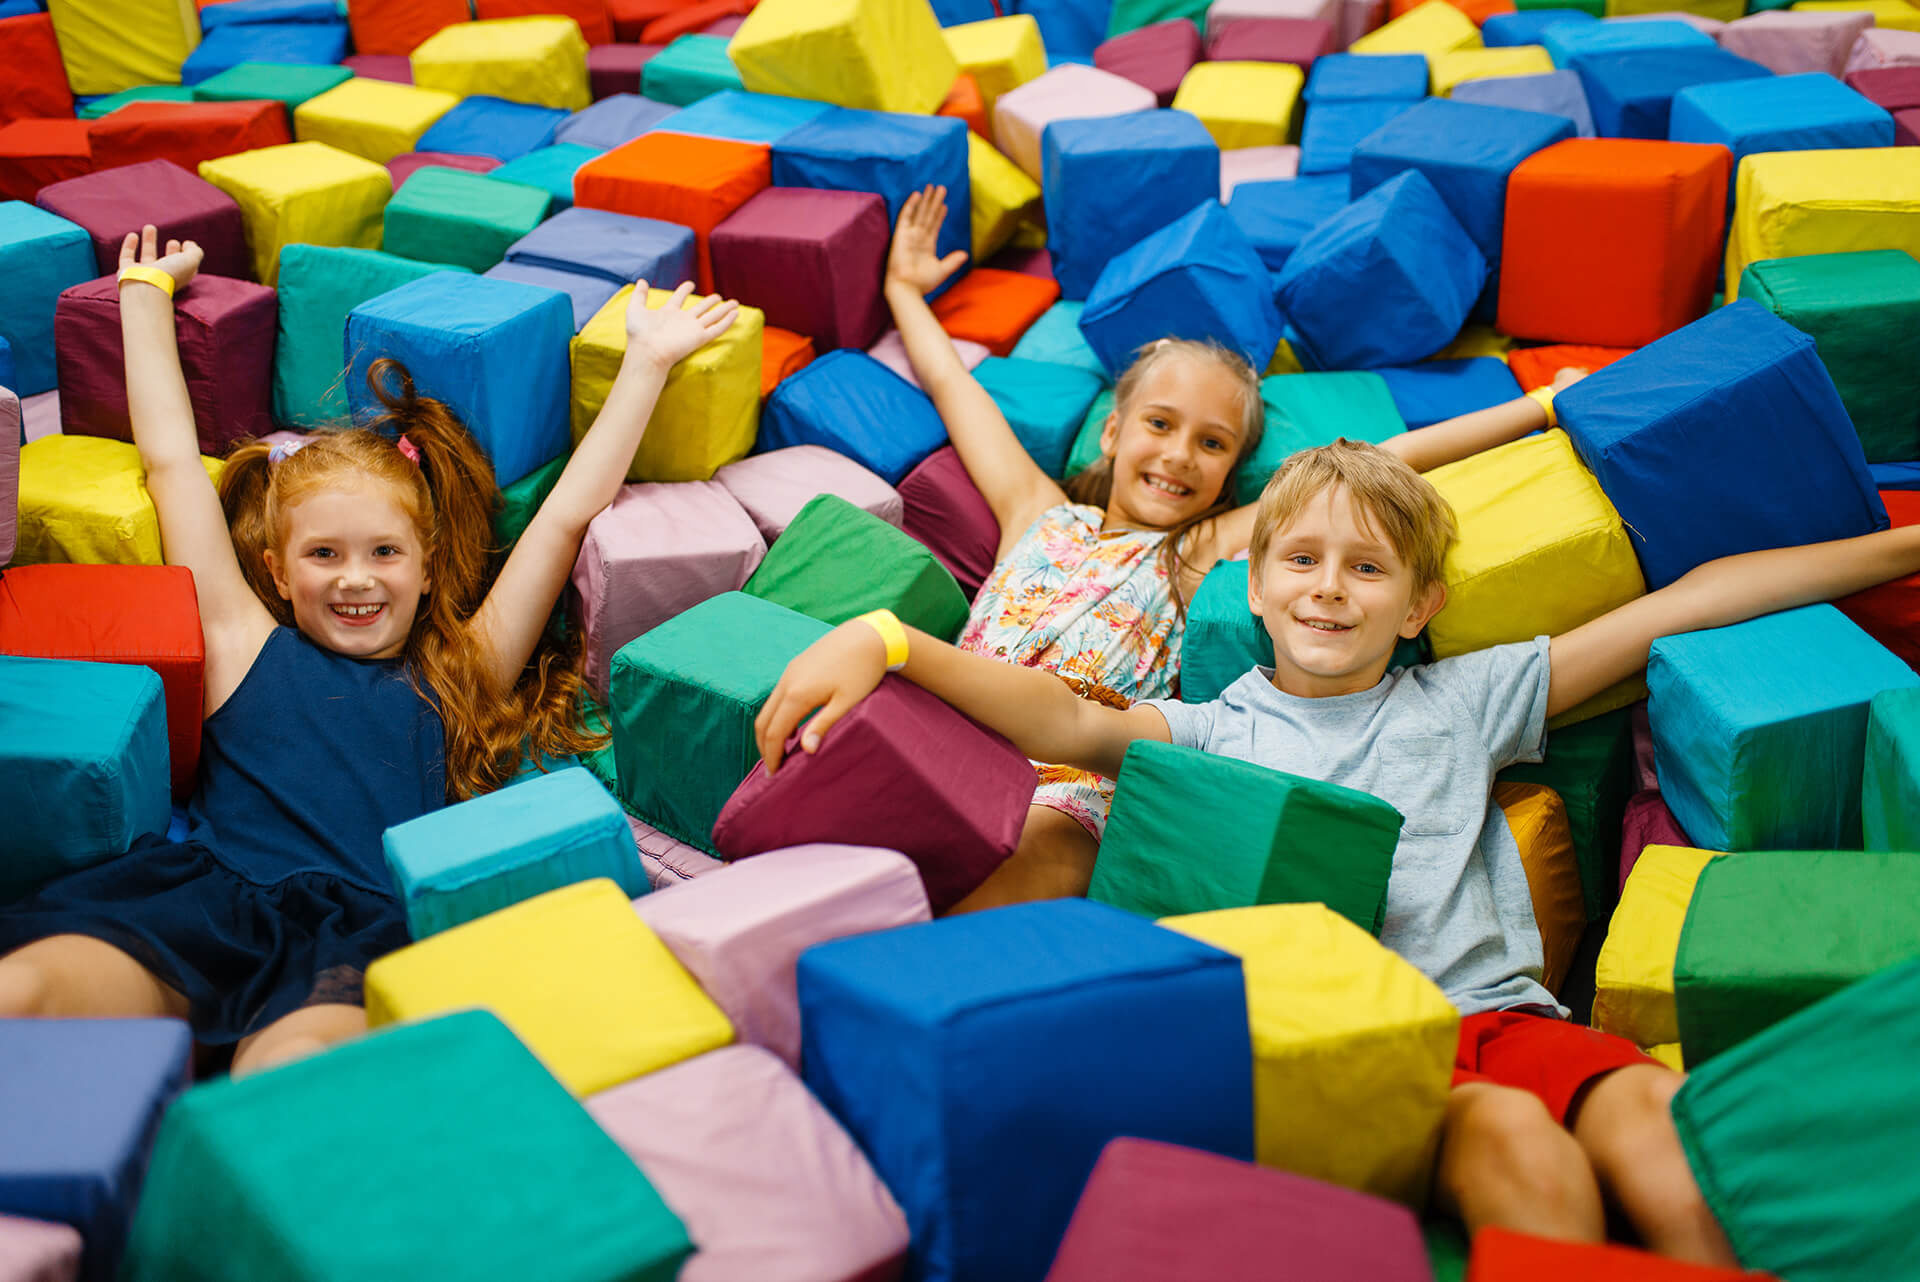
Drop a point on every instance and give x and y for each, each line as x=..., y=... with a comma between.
x=279, y=896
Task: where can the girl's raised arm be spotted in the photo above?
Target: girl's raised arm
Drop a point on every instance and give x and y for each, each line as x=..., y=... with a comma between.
x=515, y=612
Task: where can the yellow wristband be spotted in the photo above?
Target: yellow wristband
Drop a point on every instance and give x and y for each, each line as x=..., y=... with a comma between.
x=895, y=636
x=1543, y=397
x=151, y=275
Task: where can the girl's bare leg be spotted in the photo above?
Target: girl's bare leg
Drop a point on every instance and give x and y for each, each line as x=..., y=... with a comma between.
x=78, y=975
x=1054, y=860
x=307, y=1031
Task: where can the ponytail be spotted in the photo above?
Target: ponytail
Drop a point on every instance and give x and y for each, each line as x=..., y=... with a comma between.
x=244, y=486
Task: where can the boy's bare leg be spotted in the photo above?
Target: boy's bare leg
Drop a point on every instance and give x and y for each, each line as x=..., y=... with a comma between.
x=307, y=1031
x=1625, y=1126
x=1505, y=1161
x=80, y=976
x=1054, y=860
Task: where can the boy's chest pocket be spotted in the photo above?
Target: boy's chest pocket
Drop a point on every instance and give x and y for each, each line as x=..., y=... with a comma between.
x=1419, y=780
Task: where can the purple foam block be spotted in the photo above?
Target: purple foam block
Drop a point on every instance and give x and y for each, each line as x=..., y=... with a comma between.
x=667, y=861
x=1647, y=822
x=113, y=202
x=1295, y=40
x=9, y=473
x=811, y=260
x=405, y=167
x=774, y=486
x=1155, y=57
x=613, y=120
x=613, y=69
x=947, y=512
x=38, y=1251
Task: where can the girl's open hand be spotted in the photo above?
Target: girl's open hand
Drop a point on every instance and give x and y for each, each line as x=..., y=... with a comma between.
x=832, y=674
x=181, y=260
x=914, y=259
x=673, y=331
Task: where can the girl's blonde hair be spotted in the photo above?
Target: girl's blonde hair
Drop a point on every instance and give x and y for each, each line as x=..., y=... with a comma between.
x=1413, y=517
x=450, y=496
x=1093, y=484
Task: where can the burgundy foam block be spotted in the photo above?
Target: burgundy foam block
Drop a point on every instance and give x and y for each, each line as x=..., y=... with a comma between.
x=9, y=473
x=947, y=512
x=613, y=69
x=902, y=771
x=1030, y=262
x=1153, y=1211
x=406, y=166
x=668, y=861
x=396, y=67
x=1892, y=88
x=1906, y=127
x=225, y=329
x=186, y=132
x=774, y=486
x=811, y=260
x=1648, y=822
x=109, y=203
x=658, y=549
x=1643, y=762
x=724, y=26
x=1355, y=18
x=1156, y=57
x=38, y=1251
x=36, y=153
x=1295, y=40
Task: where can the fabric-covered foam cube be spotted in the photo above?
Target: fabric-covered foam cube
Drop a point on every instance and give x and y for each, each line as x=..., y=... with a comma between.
x=1790, y=203
x=1157, y=57
x=1775, y=764
x=783, y=354
x=286, y=83
x=708, y=413
x=612, y=120
x=38, y=153
x=696, y=182
x=110, y=45
x=1398, y=244
x=469, y=220
x=586, y=294
x=1170, y=165
x=1743, y=397
x=1463, y=66
x=405, y=166
x=580, y=979
x=596, y=26
x=316, y=44
x=1043, y=403
x=835, y=561
x=1892, y=776
x=773, y=487
x=372, y=119
x=1432, y=28
x=1100, y=1023
x=1242, y=104
x=1299, y=41
x=181, y=207
x=1256, y=164
x=1435, y=390
x=1334, y=127
x=1056, y=338
x=689, y=69
x=1575, y=40
x=812, y=261
x=1001, y=54
x=1276, y=838
x=1884, y=47
x=493, y=127
x=495, y=351
x=739, y=115
x=256, y=1164
x=224, y=329
x=1276, y=216
x=1067, y=92
x=84, y=499
x=37, y=86
x=879, y=55
x=539, y=60
x=1501, y=1255
x=741, y=934
x=1631, y=94
x=500, y=849
x=1887, y=611
x=1789, y=43
x=945, y=511
x=1346, y=77
x=11, y=436
x=1305, y=410
x=993, y=307
x=1000, y=197
x=1591, y=766
x=40, y=1251
x=1633, y=995
x=1557, y=93
x=849, y=402
x=1537, y=820
x=1895, y=88
x=302, y=193
x=42, y=255
x=655, y=551
x=187, y=133
x=1803, y=112
x=551, y=169
x=710, y=1132
x=1647, y=822
x=398, y=27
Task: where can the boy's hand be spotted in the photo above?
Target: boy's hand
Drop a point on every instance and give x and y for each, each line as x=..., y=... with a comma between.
x=1568, y=377
x=181, y=260
x=667, y=334
x=913, y=260
x=832, y=674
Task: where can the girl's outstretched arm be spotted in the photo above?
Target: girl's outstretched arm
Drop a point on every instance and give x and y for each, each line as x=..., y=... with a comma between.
x=1012, y=483
x=515, y=612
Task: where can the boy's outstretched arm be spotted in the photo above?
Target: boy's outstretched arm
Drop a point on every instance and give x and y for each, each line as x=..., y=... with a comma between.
x=1034, y=709
x=1425, y=448
x=1730, y=590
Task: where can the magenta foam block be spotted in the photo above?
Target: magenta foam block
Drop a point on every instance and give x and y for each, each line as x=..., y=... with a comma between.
x=947, y=512
x=1295, y=40
x=1155, y=57
x=668, y=861
x=405, y=167
x=112, y=202
x=10, y=423
x=811, y=260
x=902, y=771
x=774, y=486
x=396, y=67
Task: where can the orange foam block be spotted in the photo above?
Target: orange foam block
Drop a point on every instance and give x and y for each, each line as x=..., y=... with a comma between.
x=677, y=178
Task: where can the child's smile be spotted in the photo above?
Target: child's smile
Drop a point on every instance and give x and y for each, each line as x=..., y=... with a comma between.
x=354, y=568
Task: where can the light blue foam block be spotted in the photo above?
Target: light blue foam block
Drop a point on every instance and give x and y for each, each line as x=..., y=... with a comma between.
x=1811, y=112
x=1557, y=93
x=315, y=44
x=1564, y=41
x=585, y=294
x=41, y=254
x=1508, y=30
x=551, y=169
x=1044, y=403
x=483, y=126
x=619, y=248
x=615, y=119
x=744, y=116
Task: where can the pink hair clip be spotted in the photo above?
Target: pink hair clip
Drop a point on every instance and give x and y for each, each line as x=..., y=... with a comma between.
x=283, y=450
x=409, y=449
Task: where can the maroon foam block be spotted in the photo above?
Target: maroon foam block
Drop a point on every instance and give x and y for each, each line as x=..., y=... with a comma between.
x=811, y=260
x=109, y=203
x=1295, y=40
x=613, y=69
x=405, y=167
x=1031, y=262
x=946, y=511
x=1152, y=1211
x=1906, y=127
x=397, y=67
x=1893, y=88
x=1647, y=822
x=902, y=771
x=1156, y=57
x=225, y=329
x=36, y=153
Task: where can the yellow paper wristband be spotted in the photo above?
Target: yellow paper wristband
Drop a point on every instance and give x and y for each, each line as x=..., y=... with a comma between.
x=151, y=275
x=1543, y=397
x=883, y=622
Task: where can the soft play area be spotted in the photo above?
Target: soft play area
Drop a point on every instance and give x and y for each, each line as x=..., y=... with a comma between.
x=666, y=1015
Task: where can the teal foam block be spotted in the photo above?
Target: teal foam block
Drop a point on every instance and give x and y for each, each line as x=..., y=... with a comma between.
x=1890, y=791
x=550, y=169
x=1056, y=339
x=41, y=254
x=1044, y=403
x=1308, y=410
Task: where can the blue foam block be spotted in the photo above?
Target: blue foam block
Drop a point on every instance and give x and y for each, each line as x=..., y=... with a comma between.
x=1067, y=27
x=1045, y=404
x=1738, y=712
x=1565, y=41
x=1724, y=436
x=482, y=126
x=1335, y=126
x=1631, y=94
x=316, y=44
x=234, y=13
x=614, y=247
x=848, y=401
x=1399, y=248
x=1349, y=77
x=1895, y=476
x=586, y=295
x=1434, y=390
x=83, y=1099
x=1056, y=338
x=983, y=1099
x=495, y=351
x=1276, y=216
x=1810, y=112
x=1506, y=30
x=615, y=119
x=22, y=9
x=551, y=169
x=83, y=765
x=1198, y=277
x=41, y=254
x=1557, y=93
x=1110, y=181
x=746, y=117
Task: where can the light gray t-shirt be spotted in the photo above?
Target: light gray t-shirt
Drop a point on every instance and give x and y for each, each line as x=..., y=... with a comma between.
x=1427, y=740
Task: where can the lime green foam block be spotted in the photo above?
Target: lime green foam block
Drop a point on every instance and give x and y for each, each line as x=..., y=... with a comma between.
x=441, y=1149
x=684, y=697
x=1590, y=764
x=284, y=82
x=835, y=562
x=1890, y=787
x=451, y=216
x=1191, y=832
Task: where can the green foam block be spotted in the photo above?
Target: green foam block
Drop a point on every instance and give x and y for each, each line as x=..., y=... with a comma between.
x=835, y=562
x=1590, y=764
x=1890, y=786
x=519, y=501
x=1130, y=15
x=141, y=93
x=284, y=82
x=688, y=70
x=451, y=216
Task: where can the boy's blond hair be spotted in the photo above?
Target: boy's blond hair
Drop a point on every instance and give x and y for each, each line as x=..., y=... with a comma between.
x=1409, y=512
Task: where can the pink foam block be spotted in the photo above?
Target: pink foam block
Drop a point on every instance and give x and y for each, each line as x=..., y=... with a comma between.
x=1256, y=164
x=1890, y=88
x=1295, y=40
x=891, y=351
x=1223, y=13
x=1354, y=18
x=1067, y=92
x=225, y=330
x=1885, y=47
x=768, y=1184
x=947, y=512
x=613, y=69
x=9, y=473
x=1648, y=822
x=668, y=862
x=741, y=931
x=396, y=67
x=112, y=202
x=1790, y=43
x=1154, y=1211
x=902, y=771
x=658, y=549
x=1156, y=57
x=811, y=260
x=405, y=167
x=40, y=415
x=38, y=1251
x=774, y=486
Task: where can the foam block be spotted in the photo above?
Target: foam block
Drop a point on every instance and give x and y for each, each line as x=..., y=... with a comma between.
x=1432, y=28
x=1463, y=66
x=1892, y=776
x=493, y=127
x=1021, y=117
x=113, y=202
x=675, y=178
x=689, y=69
x=302, y=193
x=1298, y=41
x=1647, y=822
x=743, y=116
x=289, y=84
x=1884, y=47
x=398, y=27
x=37, y=153
x=1351, y=77
x=1557, y=93
x=43, y=255
x=1242, y=104
x=811, y=259
x=849, y=402
x=550, y=169
x=613, y=248
x=612, y=120
x=84, y=499
x=1432, y=391
x=1631, y=94
x=1256, y=164
x=992, y=308
x=470, y=220
x=937, y=1083
x=40, y=1251
x=540, y=60
x=311, y=44
x=587, y=294
x=596, y=26
x=405, y=166
x=1056, y=339
x=1778, y=113
x=1537, y=819
x=1044, y=403
x=187, y=133
x=11, y=436
x=831, y=544
x=1788, y=43
x=946, y=512
x=1590, y=766
x=1633, y=978
x=1001, y=198
x=1791, y=203
x=1501, y=1255
x=1895, y=88
x=1157, y=57
x=37, y=87
x=110, y=45
x=1884, y=13
x=878, y=55
x=773, y=487
x=668, y=862
x=1334, y=127
x=95, y=108
x=372, y=119
x=1000, y=54
x=1569, y=41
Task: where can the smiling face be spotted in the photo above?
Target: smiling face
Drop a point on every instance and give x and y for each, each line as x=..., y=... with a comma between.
x=1174, y=443
x=354, y=567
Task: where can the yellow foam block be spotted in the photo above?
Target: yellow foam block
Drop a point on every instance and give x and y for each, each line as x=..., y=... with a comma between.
x=536, y=60
x=1718, y=10
x=1433, y=28
x=1897, y=14
x=1788, y=204
x=1538, y=820
x=1285, y=361
x=1462, y=65
x=880, y=55
x=1242, y=104
x=574, y=973
x=302, y=193
x=373, y=119
x=1002, y=194
x=1353, y=1047
x=999, y=53
x=84, y=499
x=1476, y=340
x=110, y=45
x=1668, y=1053
x=1633, y=980
x=709, y=412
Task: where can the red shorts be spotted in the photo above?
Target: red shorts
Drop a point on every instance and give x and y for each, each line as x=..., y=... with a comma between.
x=1549, y=1057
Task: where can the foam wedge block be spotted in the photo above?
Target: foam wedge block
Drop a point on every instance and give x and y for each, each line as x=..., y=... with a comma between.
x=469, y=220
x=1633, y=994
x=1537, y=818
x=849, y=402
x=84, y=499
x=878, y=55
x=538, y=60
x=303, y=193
x=43, y=255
